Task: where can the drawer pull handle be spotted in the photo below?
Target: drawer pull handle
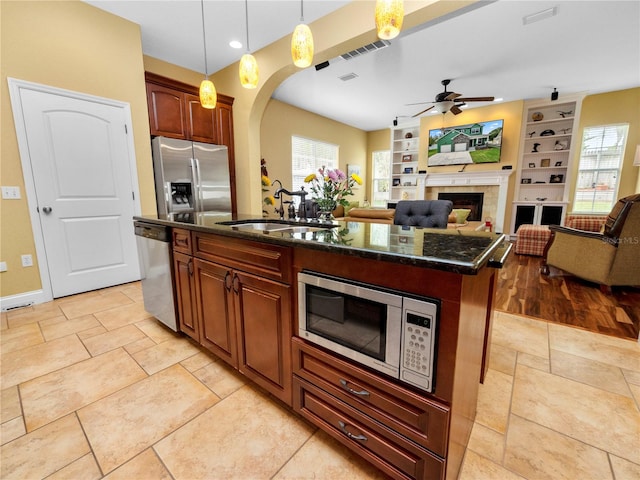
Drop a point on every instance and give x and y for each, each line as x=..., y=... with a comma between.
x=343, y=427
x=362, y=393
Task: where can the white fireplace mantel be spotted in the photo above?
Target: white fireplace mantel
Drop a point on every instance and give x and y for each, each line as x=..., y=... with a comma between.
x=499, y=178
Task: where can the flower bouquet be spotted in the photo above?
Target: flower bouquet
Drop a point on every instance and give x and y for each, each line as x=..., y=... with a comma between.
x=330, y=189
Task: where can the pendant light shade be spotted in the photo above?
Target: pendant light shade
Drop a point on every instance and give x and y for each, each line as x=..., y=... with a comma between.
x=208, y=94
x=248, y=66
x=389, y=16
x=302, y=43
x=248, y=71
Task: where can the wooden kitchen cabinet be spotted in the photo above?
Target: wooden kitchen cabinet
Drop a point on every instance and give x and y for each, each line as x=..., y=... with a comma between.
x=185, y=288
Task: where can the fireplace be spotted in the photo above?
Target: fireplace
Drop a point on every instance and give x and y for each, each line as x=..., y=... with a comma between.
x=471, y=200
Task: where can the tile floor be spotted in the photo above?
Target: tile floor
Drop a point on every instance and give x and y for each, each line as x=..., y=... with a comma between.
x=92, y=387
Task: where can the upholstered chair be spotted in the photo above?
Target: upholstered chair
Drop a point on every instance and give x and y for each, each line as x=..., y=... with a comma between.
x=423, y=213
x=610, y=258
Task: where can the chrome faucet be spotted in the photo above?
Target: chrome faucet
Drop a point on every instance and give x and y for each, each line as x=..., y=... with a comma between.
x=302, y=193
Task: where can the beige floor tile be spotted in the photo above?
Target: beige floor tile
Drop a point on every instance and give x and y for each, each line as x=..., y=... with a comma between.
x=599, y=418
x=36, y=313
x=198, y=361
x=534, y=451
x=31, y=362
x=601, y=348
x=322, y=458
x=113, y=339
x=92, y=332
x=243, y=444
x=220, y=378
x=521, y=334
x=635, y=392
x=503, y=359
x=494, y=400
x=134, y=293
x=477, y=467
x=124, y=424
x=85, y=468
x=4, y=321
x=20, y=337
x=597, y=374
x=52, y=329
x=138, y=345
x=631, y=376
x=533, y=361
x=61, y=392
x=10, y=404
x=11, y=430
x=487, y=442
x=154, y=359
x=624, y=469
x=94, y=304
x=45, y=451
x=120, y=316
x=156, y=331
x=145, y=465
x=77, y=297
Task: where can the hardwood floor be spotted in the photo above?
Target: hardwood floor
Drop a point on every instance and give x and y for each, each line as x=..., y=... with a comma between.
x=562, y=298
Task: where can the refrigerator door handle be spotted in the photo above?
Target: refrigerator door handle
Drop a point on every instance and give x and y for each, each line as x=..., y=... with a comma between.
x=195, y=174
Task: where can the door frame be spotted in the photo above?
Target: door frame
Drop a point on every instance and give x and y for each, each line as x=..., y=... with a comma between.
x=45, y=294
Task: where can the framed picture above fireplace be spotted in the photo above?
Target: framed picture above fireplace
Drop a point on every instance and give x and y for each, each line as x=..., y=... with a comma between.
x=479, y=142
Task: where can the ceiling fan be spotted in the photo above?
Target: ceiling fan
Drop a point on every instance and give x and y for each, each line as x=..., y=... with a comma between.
x=450, y=101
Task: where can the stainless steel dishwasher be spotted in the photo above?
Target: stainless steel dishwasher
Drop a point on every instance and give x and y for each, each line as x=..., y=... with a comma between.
x=154, y=242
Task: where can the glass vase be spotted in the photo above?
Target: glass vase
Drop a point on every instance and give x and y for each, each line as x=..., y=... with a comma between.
x=326, y=206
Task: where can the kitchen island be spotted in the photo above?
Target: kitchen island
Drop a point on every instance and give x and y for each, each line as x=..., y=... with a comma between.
x=236, y=290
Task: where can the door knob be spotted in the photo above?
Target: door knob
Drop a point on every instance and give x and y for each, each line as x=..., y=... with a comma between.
x=46, y=210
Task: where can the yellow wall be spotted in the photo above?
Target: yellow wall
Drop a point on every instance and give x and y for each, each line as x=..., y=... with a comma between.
x=74, y=46
x=281, y=121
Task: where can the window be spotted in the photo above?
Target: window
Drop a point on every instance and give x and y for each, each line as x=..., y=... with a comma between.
x=307, y=156
x=381, y=174
x=601, y=157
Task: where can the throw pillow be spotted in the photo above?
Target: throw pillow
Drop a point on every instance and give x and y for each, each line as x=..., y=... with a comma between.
x=349, y=207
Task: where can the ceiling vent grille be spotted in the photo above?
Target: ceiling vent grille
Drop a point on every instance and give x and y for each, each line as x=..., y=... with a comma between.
x=371, y=47
x=348, y=76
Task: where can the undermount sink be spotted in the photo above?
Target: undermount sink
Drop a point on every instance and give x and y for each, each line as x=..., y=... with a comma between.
x=266, y=226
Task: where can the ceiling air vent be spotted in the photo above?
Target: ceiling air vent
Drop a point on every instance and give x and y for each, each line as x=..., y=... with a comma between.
x=348, y=76
x=371, y=47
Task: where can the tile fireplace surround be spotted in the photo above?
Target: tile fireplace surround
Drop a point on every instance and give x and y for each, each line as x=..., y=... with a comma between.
x=494, y=185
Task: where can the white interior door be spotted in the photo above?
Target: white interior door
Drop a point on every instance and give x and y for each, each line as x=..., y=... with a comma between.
x=80, y=157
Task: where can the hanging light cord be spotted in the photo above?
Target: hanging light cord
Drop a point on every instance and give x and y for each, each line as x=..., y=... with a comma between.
x=204, y=39
x=302, y=10
x=246, y=18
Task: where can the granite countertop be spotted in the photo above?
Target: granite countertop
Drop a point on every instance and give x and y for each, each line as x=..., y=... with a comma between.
x=457, y=251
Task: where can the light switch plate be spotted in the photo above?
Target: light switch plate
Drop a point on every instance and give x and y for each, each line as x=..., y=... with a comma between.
x=11, y=193
x=3, y=266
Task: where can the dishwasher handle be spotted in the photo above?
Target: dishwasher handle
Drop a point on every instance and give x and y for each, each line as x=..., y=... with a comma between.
x=152, y=231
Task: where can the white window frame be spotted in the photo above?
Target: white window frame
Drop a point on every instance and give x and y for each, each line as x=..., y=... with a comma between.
x=307, y=156
x=601, y=155
x=376, y=197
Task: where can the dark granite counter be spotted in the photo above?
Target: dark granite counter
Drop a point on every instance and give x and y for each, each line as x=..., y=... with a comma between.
x=458, y=251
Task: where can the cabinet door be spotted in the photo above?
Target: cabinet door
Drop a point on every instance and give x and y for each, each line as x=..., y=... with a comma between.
x=525, y=214
x=551, y=215
x=166, y=111
x=263, y=316
x=224, y=136
x=214, y=298
x=200, y=121
x=184, y=284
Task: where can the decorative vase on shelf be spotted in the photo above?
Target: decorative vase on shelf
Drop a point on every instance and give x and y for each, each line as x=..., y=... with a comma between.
x=326, y=206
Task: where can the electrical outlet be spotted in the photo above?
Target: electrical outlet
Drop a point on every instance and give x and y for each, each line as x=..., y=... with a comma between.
x=27, y=261
x=11, y=193
x=3, y=266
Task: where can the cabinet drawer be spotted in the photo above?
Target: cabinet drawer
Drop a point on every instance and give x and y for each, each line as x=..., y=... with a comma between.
x=424, y=421
x=263, y=259
x=181, y=240
x=393, y=454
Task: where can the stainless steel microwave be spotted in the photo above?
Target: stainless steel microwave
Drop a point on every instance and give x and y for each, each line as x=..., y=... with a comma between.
x=384, y=330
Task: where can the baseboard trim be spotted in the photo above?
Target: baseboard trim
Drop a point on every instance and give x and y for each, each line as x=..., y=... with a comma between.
x=25, y=299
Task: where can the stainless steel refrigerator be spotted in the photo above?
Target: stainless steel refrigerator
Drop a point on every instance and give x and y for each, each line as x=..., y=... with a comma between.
x=190, y=176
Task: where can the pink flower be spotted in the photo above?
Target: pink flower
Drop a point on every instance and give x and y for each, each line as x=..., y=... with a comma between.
x=333, y=175
x=340, y=174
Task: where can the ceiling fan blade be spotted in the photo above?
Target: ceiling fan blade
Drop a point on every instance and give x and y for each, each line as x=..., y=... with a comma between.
x=475, y=99
x=419, y=103
x=452, y=96
x=455, y=110
x=420, y=113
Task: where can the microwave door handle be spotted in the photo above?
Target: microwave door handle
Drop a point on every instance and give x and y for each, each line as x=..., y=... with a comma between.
x=345, y=386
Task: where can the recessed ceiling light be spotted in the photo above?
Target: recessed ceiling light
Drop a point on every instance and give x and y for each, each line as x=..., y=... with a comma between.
x=235, y=44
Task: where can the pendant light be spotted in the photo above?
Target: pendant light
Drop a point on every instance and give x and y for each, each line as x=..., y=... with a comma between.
x=389, y=16
x=302, y=43
x=208, y=94
x=248, y=64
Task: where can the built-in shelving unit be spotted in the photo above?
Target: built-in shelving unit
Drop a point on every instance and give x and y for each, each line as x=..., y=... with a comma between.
x=546, y=151
x=405, y=142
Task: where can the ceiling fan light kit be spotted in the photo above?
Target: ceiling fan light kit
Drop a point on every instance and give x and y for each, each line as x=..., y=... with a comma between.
x=450, y=101
x=389, y=15
x=208, y=94
x=248, y=69
x=302, y=43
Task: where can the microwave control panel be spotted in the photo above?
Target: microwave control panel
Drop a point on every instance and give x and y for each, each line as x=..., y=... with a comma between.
x=417, y=359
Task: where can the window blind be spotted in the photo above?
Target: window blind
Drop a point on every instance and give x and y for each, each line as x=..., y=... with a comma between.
x=307, y=156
